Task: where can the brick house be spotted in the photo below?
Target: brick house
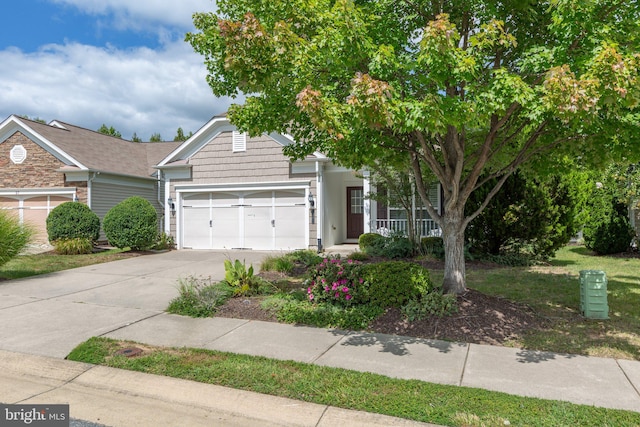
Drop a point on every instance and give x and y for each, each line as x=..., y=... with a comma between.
x=44, y=165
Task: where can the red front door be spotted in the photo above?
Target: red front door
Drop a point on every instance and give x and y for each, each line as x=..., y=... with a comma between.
x=355, y=212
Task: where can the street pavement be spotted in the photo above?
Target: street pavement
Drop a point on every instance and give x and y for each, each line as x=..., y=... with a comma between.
x=44, y=317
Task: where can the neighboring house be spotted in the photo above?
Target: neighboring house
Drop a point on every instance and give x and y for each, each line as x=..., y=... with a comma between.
x=44, y=165
x=226, y=190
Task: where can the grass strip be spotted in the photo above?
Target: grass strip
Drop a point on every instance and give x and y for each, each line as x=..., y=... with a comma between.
x=410, y=399
x=33, y=265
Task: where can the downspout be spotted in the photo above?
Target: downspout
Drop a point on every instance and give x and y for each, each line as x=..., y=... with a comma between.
x=320, y=210
x=89, y=188
x=159, y=180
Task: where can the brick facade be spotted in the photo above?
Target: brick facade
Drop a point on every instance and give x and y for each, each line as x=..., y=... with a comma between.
x=37, y=171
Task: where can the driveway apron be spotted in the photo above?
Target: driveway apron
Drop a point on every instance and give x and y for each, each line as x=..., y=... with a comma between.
x=51, y=314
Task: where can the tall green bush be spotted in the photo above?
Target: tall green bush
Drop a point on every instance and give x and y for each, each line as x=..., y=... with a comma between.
x=539, y=214
x=73, y=220
x=132, y=223
x=609, y=230
x=14, y=236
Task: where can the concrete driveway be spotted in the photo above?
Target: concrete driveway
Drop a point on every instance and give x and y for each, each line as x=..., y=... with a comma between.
x=49, y=315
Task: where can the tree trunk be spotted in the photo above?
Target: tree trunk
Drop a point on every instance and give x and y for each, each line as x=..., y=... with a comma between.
x=454, y=263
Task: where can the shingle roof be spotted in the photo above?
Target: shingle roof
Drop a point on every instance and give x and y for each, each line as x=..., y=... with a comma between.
x=102, y=152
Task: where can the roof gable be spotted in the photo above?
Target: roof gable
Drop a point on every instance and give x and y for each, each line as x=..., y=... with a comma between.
x=90, y=150
x=205, y=135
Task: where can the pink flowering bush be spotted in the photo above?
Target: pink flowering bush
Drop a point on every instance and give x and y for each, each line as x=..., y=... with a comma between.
x=336, y=281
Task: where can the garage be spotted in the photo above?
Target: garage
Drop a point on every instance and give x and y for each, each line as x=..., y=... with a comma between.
x=33, y=209
x=250, y=219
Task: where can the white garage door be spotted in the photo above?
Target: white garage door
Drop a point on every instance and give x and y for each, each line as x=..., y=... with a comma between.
x=272, y=219
x=33, y=209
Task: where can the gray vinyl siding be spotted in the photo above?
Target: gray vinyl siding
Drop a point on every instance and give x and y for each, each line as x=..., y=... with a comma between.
x=262, y=161
x=105, y=195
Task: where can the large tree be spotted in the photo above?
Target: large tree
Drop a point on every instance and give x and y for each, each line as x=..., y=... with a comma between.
x=466, y=90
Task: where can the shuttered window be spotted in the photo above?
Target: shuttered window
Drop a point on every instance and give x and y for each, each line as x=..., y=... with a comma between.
x=239, y=141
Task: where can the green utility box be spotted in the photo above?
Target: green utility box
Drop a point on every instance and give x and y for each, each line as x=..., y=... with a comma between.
x=593, y=294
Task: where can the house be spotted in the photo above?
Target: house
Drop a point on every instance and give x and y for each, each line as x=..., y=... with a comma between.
x=226, y=190
x=44, y=165
x=219, y=189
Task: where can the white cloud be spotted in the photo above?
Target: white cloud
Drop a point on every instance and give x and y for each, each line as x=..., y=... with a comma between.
x=135, y=90
x=141, y=14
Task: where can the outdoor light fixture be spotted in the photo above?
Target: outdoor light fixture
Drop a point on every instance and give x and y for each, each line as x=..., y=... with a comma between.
x=312, y=204
x=172, y=206
x=75, y=198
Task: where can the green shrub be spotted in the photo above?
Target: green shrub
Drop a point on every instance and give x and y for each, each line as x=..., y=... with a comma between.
x=327, y=315
x=511, y=259
x=281, y=264
x=242, y=281
x=164, y=242
x=199, y=297
x=433, y=303
x=305, y=257
x=77, y=246
x=370, y=240
x=433, y=246
x=132, y=223
x=397, y=246
x=336, y=282
x=394, y=283
x=358, y=256
x=14, y=237
x=73, y=220
x=610, y=237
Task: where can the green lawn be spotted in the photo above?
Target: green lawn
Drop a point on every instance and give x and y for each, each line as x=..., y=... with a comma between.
x=554, y=292
x=410, y=399
x=31, y=265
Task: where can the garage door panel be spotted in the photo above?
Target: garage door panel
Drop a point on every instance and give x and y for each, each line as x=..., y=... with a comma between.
x=224, y=199
x=290, y=198
x=225, y=228
x=290, y=227
x=197, y=200
x=258, y=231
x=197, y=234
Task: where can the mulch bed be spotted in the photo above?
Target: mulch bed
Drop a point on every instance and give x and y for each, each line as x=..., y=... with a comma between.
x=481, y=318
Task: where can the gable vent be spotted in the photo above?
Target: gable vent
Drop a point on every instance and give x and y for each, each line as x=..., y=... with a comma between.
x=239, y=141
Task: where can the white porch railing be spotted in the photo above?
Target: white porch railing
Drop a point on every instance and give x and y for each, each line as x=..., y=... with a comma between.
x=423, y=227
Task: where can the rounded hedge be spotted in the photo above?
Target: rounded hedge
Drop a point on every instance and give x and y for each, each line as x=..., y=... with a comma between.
x=394, y=283
x=368, y=240
x=132, y=223
x=73, y=220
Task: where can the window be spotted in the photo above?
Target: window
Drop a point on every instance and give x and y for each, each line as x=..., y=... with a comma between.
x=238, y=141
x=357, y=201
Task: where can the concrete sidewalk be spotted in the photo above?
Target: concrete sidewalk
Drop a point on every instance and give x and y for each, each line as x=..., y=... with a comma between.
x=50, y=315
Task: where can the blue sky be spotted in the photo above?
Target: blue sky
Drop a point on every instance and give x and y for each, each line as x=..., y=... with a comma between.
x=119, y=62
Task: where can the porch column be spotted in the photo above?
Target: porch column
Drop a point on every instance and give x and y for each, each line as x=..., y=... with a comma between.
x=366, y=190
